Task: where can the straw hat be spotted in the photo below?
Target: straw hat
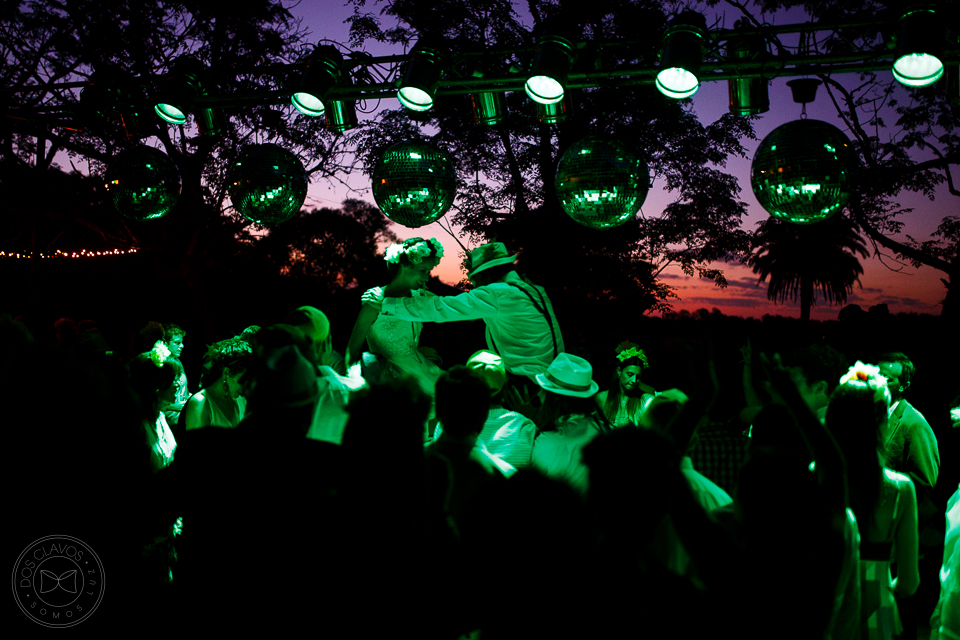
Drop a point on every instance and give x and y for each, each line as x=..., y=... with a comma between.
x=492, y=254
x=569, y=375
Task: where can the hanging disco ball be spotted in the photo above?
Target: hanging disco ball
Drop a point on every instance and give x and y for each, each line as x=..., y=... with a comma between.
x=143, y=183
x=414, y=183
x=803, y=171
x=601, y=183
x=268, y=184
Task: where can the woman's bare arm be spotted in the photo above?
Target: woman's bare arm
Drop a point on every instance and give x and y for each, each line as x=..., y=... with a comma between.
x=365, y=319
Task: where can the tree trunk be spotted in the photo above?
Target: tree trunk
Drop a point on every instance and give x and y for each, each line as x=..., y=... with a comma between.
x=806, y=298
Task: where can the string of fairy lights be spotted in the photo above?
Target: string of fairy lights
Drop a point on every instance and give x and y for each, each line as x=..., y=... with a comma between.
x=83, y=253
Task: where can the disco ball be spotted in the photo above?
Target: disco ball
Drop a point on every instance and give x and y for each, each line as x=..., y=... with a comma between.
x=601, y=183
x=268, y=184
x=803, y=171
x=143, y=182
x=414, y=183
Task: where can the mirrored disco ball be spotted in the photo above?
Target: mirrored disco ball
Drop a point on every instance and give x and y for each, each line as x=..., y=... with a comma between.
x=414, y=183
x=803, y=171
x=601, y=183
x=268, y=184
x=143, y=183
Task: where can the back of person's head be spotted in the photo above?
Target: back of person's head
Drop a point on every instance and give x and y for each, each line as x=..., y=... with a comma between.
x=150, y=377
x=144, y=339
x=86, y=325
x=277, y=336
x=387, y=418
x=284, y=394
x=66, y=331
x=819, y=363
x=311, y=321
x=227, y=355
x=897, y=357
x=463, y=401
x=491, y=368
x=775, y=429
x=663, y=410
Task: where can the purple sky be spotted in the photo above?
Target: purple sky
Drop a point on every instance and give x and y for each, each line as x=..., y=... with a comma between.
x=916, y=290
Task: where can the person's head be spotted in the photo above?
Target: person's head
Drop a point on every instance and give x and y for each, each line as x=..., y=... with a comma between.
x=229, y=360
x=285, y=392
x=862, y=397
x=173, y=335
x=488, y=263
x=314, y=324
x=462, y=402
x=66, y=331
x=491, y=368
x=569, y=389
x=815, y=370
x=410, y=262
x=631, y=361
x=898, y=369
x=154, y=379
x=247, y=334
x=774, y=429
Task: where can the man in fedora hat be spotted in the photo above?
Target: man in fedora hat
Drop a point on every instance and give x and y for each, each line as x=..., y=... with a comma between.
x=521, y=325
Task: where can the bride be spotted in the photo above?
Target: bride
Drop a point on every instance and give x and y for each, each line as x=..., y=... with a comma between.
x=397, y=341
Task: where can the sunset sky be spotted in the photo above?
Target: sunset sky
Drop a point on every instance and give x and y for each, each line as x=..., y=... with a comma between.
x=906, y=290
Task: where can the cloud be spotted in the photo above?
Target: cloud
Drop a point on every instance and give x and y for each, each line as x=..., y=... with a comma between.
x=726, y=302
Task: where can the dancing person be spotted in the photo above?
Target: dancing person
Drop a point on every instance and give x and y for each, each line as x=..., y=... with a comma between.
x=397, y=339
x=945, y=620
x=569, y=418
x=220, y=402
x=521, y=326
x=627, y=396
x=909, y=443
x=883, y=500
x=173, y=337
x=815, y=370
x=154, y=379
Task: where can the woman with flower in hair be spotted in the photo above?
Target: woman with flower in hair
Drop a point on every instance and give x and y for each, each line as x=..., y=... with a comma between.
x=884, y=501
x=154, y=379
x=627, y=397
x=397, y=341
x=220, y=401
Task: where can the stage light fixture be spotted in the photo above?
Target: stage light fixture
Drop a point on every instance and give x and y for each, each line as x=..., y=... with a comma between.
x=323, y=72
x=682, y=56
x=179, y=92
x=557, y=112
x=748, y=96
x=548, y=74
x=489, y=107
x=419, y=86
x=919, y=44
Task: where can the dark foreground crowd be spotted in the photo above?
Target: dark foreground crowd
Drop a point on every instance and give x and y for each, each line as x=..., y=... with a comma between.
x=285, y=496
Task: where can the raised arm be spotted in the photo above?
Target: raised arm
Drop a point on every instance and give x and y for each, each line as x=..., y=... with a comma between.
x=365, y=319
x=823, y=449
x=479, y=303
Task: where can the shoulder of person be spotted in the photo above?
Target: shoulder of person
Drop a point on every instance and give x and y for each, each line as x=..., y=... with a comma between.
x=899, y=479
x=911, y=415
x=426, y=293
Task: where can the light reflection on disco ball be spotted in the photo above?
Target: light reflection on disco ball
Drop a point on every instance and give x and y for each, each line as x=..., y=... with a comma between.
x=414, y=183
x=601, y=183
x=802, y=171
x=268, y=184
x=143, y=183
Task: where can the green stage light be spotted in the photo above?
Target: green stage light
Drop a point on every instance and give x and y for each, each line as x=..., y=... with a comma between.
x=414, y=183
x=489, y=107
x=322, y=74
x=803, y=171
x=267, y=184
x=748, y=96
x=548, y=74
x=171, y=113
x=178, y=95
x=681, y=60
x=557, y=112
x=143, y=183
x=419, y=86
x=919, y=42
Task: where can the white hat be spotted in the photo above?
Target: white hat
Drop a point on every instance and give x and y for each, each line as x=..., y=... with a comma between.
x=569, y=376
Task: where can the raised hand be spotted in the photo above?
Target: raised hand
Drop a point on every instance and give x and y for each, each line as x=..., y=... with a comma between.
x=373, y=297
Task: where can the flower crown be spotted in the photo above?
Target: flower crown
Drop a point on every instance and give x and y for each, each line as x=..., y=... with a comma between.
x=866, y=373
x=159, y=354
x=627, y=350
x=415, y=253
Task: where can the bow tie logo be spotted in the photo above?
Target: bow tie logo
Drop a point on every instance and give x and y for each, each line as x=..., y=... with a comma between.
x=49, y=581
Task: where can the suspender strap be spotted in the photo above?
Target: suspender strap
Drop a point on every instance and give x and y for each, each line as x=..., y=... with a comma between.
x=542, y=308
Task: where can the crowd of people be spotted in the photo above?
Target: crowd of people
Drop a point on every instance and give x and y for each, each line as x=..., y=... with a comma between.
x=508, y=495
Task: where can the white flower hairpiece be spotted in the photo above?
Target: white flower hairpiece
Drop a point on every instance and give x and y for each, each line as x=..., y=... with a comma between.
x=415, y=253
x=862, y=372
x=159, y=353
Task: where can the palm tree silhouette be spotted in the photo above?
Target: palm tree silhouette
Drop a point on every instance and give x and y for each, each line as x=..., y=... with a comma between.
x=799, y=259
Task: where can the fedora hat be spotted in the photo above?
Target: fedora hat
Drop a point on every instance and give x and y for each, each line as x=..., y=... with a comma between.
x=569, y=375
x=492, y=254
